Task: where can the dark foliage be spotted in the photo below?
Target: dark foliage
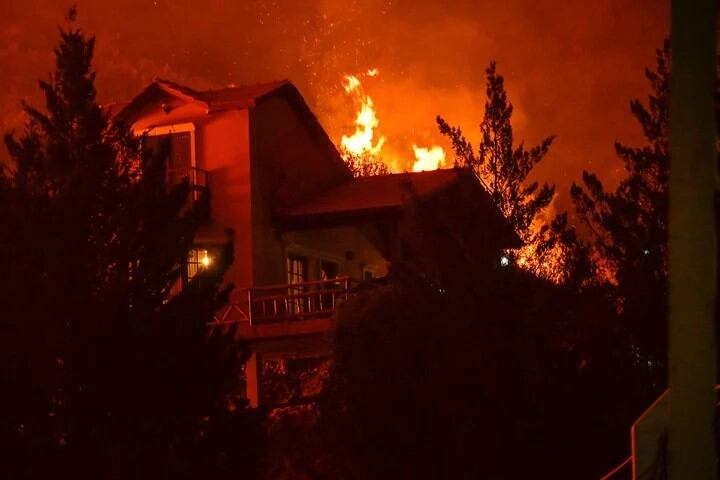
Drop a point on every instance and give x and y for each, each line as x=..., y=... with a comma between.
x=455, y=369
x=106, y=370
x=629, y=227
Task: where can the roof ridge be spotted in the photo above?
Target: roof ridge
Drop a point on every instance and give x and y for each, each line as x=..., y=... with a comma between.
x=247, y=85
x=175, y=85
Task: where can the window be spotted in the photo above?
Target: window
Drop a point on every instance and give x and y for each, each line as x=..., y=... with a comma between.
x=296, y=269
x=199, y=260
x=328, y=270
x=368, y=275
x=296, y=274
x=178, y=147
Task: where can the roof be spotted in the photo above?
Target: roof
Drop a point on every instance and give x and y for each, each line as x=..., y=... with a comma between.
x=229, y=97
x=211, y=100
x=372, y=193
x=374, y=197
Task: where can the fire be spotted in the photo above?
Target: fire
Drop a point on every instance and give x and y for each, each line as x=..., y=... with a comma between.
x=361, y=142
x=365, y=140
x=428, y=158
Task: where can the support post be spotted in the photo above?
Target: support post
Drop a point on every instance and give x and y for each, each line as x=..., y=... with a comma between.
x=693, y=177
x=253, y=379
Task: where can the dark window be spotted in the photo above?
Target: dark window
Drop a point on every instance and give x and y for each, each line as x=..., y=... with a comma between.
x=367, y=275
x=179, y=152
x=328, y=270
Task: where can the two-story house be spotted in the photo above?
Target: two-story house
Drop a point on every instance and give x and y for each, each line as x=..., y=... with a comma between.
x=302, y=228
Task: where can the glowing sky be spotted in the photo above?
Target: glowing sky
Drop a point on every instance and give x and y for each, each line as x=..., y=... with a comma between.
x=571, y=67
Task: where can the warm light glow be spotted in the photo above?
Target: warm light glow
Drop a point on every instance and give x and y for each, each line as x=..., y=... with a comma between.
x=547, y=266
x=362, y=142
x=206, y=260
x=428, y=158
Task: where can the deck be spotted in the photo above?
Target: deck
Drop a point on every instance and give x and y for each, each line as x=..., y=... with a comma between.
x=283, y=321
x=285, y=310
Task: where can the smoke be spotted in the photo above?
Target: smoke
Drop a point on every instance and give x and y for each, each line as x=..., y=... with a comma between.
x=570, y=67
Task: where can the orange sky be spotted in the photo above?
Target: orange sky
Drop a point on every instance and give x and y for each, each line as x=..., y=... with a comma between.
x=571, y=67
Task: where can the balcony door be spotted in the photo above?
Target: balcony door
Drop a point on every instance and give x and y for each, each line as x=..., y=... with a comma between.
x=297, y=273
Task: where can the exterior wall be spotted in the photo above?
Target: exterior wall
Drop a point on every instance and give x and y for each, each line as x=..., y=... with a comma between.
x=223, y=149
x=289, y=164
x=346, y=246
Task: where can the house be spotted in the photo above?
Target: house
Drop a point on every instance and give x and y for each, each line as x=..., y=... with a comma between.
x=303, y=230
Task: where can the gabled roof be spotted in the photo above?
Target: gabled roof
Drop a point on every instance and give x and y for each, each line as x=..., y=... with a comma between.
x=211, y=100
x=224, y=98
x=373, y=197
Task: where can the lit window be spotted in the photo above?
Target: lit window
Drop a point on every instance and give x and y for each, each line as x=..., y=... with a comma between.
x=199, y=260
x=296, y=274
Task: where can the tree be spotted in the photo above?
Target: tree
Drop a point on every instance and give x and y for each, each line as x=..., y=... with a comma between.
x=364, y=164
x=475, y=372
x=629, y=227
x=502, y=167
x=106, y=371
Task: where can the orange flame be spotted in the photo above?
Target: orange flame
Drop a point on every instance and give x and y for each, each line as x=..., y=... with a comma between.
x=364, y=141
x=428, y=158
x=366, y=121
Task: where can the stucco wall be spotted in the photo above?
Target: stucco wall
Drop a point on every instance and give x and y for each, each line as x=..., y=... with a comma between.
x=346, y=246
x=289, y=164
x=222, y=142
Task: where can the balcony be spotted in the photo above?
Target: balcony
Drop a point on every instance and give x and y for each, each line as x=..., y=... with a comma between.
x=267, y=305
x=197, y=177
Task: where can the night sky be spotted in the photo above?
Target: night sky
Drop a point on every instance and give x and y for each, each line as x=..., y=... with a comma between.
x=570, y=67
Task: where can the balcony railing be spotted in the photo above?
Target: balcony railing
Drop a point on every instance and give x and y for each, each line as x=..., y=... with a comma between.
x=197, y=176
x=288, y=302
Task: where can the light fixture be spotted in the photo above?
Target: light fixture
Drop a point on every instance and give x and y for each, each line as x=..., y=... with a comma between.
x=206, y=260
x=504, y=261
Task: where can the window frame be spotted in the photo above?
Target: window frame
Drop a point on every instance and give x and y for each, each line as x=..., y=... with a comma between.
x=174, y=128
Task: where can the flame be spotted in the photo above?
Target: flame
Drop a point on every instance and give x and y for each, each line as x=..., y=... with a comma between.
x=366, y=121
x=428, y=158
x=365, y=140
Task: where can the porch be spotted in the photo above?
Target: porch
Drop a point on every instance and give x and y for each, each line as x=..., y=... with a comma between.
x=284, y=321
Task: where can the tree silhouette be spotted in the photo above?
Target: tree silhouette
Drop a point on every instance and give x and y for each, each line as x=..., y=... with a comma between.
x=499, y=164
x=106, y=371
x=364, y=164
x=629, y=227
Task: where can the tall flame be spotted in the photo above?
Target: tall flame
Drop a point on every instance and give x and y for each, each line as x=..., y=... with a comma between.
x=364, y=142
x=361, y=142
x=428, y=158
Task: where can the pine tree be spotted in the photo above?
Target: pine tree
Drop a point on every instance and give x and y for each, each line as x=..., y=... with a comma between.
x=106, y=372
x=501, y=166
x=629, y=226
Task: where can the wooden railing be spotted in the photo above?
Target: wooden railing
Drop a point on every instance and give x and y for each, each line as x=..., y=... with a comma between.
x=287, y=302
